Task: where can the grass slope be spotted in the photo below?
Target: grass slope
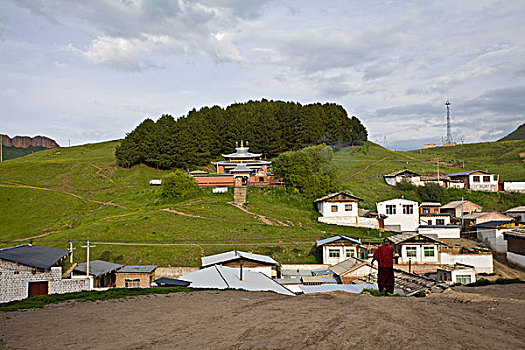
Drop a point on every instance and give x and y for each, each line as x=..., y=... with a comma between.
x=518, y=134
x=79, y=193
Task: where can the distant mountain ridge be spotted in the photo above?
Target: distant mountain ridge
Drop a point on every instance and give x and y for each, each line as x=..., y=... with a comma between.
x=518, y=134
x=27, y=141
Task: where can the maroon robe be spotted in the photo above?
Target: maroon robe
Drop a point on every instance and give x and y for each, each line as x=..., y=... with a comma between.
x=385, y=276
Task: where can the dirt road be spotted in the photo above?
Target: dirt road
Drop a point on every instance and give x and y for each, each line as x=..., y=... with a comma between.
x=491, y=317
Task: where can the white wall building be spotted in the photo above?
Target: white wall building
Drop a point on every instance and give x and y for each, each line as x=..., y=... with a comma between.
x=514, y=186
x=458, y=273
x=440, y=231
x=477, y=180
x=401, y=215
x=339, y=248
x=518, y=213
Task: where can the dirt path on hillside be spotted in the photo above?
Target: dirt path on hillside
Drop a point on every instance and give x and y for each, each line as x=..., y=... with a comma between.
x=33, y=237
x=181, y=213
x=99, y=172
x=263, y=218
x=491, y=317
x=365, y=169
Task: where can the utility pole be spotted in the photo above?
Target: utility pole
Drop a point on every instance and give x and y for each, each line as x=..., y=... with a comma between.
x=1, y=148
x=71, y=251
x=438, y=168
x=87, y=262
x=461, y=213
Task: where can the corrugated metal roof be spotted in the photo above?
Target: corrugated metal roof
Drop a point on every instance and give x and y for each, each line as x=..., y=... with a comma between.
x=400, y=238
x=97, y=267
x=300, y=273
x=285, y=281
x=455, y=204
x=335, y=238
x=516, y=209
x=328, y=288
x=33, y=255
x=320, y=272
x=137, y=269
x=331, y=195
x=240, y=168
x=346, y=265
x=518, y=233
x=464, y=173
x=430, y=204
x=236, y=255
x=222, y=277
x=493, y=224
x=312, y=279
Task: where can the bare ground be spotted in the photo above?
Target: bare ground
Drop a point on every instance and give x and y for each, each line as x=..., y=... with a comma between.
x=491, y=317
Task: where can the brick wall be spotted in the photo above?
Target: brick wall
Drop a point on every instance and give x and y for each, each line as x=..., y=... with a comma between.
x=145, y=279
x=15, y=278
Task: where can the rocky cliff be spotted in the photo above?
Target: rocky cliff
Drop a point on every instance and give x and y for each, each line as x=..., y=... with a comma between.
x=26, y=141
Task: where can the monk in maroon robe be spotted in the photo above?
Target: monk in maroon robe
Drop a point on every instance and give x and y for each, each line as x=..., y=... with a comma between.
x=385, y=258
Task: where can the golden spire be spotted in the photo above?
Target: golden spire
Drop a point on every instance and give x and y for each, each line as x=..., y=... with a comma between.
x=241, y=144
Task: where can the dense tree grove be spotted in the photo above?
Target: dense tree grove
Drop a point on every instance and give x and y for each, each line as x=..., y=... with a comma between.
x=271, y=127
x=308, y=171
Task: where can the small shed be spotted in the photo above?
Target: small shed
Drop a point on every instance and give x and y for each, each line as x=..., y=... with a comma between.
x=459, y=208
x=339, y=248
x=516, y=246
x=135, y=276
x=103, y=272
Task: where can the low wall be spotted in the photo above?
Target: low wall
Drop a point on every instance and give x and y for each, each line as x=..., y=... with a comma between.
x=173, y=272
x=516, y=259
x=481, y=262
x=514, y=186
x=493, y=239
x=356, y=221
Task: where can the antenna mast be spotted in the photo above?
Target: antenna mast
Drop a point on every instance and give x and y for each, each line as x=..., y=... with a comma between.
x=449, y=136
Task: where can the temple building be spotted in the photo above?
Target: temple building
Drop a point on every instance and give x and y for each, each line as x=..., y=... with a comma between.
x=241, y=168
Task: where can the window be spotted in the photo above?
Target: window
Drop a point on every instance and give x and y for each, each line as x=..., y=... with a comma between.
x=486, y=178
x=426, y=210
x=440, y=221
x=430, y=222
x=334, y=253
x=429, y=251
x=261, y=179
x=132, y=282
x=390, y=209
x=334, y=208
x=463, y=279
x=350, y=252
x=408, y=209
x=411, y=251
x=348, y=207
x=475, y=178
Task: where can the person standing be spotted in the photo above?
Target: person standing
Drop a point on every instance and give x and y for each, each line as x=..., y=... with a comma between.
x=384, y=256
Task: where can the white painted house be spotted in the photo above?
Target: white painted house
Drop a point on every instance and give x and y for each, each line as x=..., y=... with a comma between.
x=400, y=215
x=413, y=248
x=339, y=248
x=394, y=178
x=342, y=209
x=457, y=273
x=491, y=234
x=477, y=180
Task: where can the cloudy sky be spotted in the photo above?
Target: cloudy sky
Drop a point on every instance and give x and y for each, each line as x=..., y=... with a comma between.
x=91, y=71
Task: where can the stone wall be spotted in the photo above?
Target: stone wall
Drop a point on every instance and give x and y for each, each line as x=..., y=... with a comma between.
x=173, y=272
x=15, y=278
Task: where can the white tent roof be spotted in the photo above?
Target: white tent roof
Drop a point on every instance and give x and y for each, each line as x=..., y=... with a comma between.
x=222, y=277
x=236, y=255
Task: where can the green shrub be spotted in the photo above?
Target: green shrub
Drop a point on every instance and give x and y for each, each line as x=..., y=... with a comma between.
x=179, y=184
x=405, y=185
x=432, y=192
x=485, y=282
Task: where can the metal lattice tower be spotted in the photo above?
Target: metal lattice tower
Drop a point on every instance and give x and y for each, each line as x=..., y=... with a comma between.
x=449, y=135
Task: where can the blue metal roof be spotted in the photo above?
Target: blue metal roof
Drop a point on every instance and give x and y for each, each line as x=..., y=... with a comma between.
x=171, y=282
x=327, y=288
x=300, y=273
x=288, y=280
x=320, y=272
x=464, y=173
x=493, y=224
x=33, y=255
x=137, y=269
x=439, y=226
x=335, y=238
x=97, y=267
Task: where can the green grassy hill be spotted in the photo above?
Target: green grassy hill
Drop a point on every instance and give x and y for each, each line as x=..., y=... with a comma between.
x=79, y=193
x=518, y=134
